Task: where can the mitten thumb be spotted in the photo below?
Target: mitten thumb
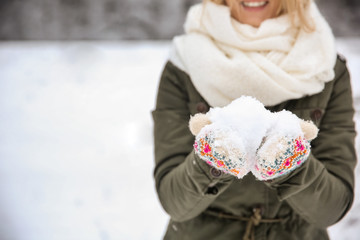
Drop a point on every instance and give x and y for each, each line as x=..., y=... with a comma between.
x=309, y=129
x=197, y=122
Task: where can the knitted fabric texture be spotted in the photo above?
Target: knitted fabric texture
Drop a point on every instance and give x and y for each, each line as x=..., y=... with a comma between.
x=225, y=158
x=289, y=155
x=273, y=63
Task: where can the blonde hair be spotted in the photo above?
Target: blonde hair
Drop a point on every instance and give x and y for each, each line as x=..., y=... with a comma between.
x=293, y=8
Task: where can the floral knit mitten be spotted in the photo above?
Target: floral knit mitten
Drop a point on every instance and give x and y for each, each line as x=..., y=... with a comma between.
x=218, y=149
x=279, y=155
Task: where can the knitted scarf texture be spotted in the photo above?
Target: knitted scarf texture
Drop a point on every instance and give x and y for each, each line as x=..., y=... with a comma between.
x=275, y=62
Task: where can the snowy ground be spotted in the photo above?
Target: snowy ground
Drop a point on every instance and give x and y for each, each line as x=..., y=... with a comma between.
x=76, y=141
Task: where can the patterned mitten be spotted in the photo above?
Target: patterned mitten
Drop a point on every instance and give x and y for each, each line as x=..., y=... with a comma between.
x=279, y=155
x=222, y=149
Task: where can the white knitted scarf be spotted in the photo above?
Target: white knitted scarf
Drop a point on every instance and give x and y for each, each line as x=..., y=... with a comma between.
x=273, y=63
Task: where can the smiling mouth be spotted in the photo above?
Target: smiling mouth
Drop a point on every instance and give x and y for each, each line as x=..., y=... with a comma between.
x=254, y=4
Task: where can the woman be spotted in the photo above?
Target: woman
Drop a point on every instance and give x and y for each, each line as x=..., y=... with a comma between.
x=282, y=53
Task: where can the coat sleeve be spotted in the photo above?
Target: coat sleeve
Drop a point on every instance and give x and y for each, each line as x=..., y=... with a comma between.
x=184, y=183
x=322, y=190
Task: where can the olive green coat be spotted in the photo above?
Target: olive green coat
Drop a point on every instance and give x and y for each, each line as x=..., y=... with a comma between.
x=307, y=201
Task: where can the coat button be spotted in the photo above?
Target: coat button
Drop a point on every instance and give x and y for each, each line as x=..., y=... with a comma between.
x=202, y=107
x=316, y=115
x=215, y=172
x=212, y=190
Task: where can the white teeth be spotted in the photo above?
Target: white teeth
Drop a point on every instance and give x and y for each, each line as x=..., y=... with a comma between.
x=254, y=4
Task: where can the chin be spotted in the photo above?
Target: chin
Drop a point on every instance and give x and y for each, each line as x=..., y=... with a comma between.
x=253, y=22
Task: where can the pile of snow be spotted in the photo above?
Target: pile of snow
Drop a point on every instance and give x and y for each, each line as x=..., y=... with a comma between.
x=245, y=122
x=76, y=140
x=244, y=116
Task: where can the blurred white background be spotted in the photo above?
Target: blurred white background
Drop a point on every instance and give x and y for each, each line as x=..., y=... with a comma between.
x=76, y=157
